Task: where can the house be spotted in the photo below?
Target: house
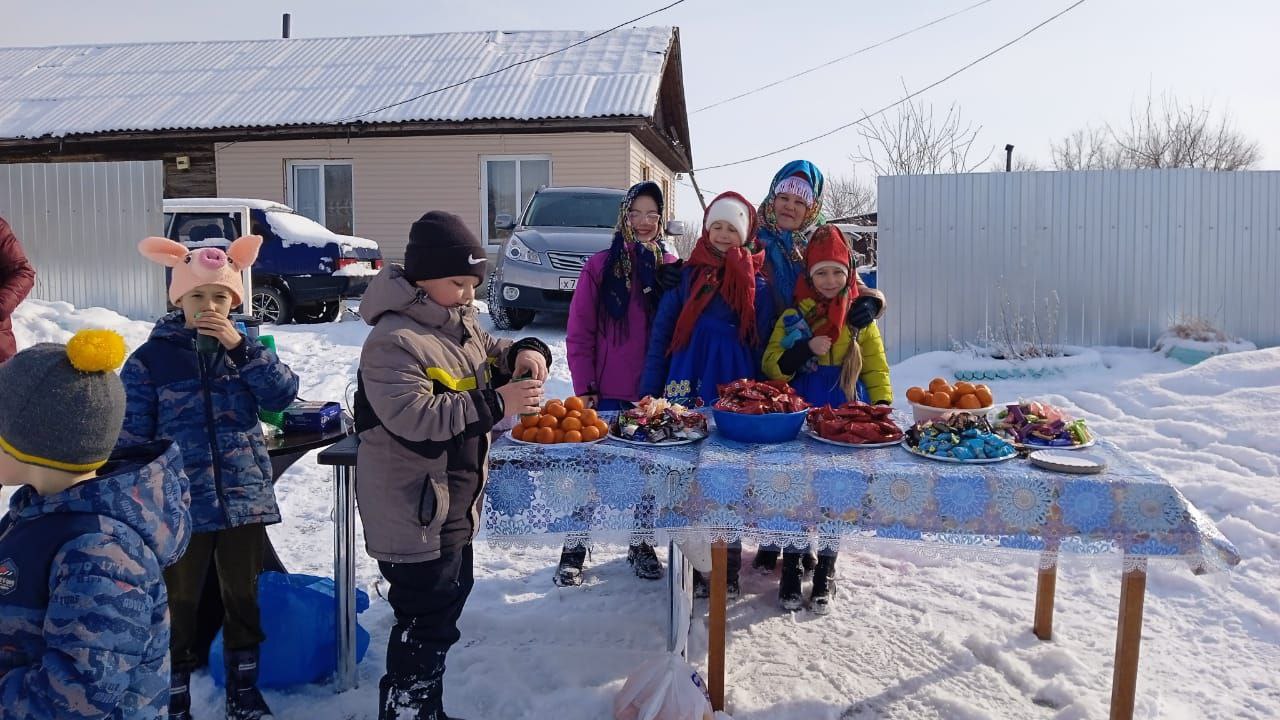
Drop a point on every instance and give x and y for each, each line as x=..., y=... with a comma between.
x=362, y=134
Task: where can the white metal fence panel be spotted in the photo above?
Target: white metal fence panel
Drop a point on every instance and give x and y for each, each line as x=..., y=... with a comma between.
x=80, y=223
x=1126, y=252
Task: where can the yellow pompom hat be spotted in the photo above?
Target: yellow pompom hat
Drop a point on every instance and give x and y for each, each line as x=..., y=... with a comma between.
x=61, y=406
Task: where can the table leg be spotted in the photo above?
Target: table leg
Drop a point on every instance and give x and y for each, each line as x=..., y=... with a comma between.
x=344, y=576
x=716, y=623
x=1124, y=682
x=1046, y=583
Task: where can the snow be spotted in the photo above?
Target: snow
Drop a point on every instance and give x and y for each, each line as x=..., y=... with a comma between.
x=911, y=636
x=1169, y=341
x=356, y=270
x=295, y=229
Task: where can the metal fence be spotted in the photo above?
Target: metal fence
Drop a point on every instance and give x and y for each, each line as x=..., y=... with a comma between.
x=1124, y=252
x=80, y=223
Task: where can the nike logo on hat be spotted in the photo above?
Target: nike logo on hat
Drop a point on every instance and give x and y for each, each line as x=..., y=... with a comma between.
x=472, y=259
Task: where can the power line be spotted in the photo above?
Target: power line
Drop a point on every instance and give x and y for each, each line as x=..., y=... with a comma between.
x=842, y=58
x=891, y=106
x=491, y=73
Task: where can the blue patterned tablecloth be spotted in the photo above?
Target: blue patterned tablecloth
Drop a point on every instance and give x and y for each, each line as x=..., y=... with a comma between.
x=809, y=493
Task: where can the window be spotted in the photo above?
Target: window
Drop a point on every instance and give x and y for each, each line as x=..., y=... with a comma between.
x=506, y=184
x=322, y=191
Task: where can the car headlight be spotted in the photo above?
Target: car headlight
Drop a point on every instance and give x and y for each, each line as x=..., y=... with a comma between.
x=517, y=250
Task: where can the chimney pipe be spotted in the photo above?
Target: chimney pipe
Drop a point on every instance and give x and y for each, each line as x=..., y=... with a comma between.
x=284, y=30
x=1008, y=158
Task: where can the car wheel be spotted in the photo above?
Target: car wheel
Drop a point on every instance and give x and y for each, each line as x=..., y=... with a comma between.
x=322, y=313
x=504, y=317
x=270, y=305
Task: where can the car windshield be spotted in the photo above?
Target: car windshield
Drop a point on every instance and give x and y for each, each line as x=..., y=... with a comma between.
x=569, y=209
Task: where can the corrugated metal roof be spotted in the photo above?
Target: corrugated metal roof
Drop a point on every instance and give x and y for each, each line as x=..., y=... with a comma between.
x=68, y=90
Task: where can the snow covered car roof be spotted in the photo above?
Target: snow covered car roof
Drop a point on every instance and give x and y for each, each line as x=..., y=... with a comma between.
x=81, y=89
x=219, y=202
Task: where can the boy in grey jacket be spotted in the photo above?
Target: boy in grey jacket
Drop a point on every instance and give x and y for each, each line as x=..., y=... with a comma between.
x=425, y=404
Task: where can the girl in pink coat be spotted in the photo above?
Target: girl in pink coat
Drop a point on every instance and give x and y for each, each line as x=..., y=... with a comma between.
x=609, y=320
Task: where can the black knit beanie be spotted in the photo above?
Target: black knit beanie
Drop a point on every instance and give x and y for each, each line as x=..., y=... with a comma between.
x=440, y=246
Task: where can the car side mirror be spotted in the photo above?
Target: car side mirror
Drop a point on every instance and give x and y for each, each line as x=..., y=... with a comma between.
x=675, y=227
x=504, y=221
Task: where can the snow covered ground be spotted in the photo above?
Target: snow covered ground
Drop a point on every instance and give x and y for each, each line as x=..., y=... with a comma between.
x=911, y=637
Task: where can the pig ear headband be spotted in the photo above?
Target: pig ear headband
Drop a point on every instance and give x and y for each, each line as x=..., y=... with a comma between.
x=166, y=252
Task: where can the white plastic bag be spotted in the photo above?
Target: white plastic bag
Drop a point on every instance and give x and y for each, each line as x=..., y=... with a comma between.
x=666, y=688
x=698, y=551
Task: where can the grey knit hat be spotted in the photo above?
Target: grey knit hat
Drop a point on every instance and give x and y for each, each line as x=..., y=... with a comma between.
x=62, y=406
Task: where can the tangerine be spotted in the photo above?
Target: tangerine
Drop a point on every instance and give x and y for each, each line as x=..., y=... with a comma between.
x=556, y=410
x=545, y=435
x=530, y=421
x=589, y=417
x=574, y=403
x=964, y=388
x=575, y=414
x=589, y=433
x=548, y=421
x=570, y=423
x=572, y=436
x=559, y=436
x=940, y=400
x=968, y=401
x=984, y=395
x=937, y=384
x=603, y=427
x=917, y=395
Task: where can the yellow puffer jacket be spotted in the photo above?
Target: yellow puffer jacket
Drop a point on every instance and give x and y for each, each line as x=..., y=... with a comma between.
x=875, y=365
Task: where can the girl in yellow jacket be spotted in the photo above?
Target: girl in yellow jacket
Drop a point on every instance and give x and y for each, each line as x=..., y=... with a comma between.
x=828, y=347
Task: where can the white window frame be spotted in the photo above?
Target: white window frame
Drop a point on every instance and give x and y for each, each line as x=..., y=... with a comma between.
x=484, y=186
x=289, y=187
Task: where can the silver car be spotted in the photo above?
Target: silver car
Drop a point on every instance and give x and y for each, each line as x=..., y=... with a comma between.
x=538, y=265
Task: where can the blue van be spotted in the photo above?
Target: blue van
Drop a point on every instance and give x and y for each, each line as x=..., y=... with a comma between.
x=304, y=271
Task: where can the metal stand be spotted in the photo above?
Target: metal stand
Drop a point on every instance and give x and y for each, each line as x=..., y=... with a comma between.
x=344, y=575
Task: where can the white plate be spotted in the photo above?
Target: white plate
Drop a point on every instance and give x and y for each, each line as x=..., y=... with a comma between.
x=517, y=441
x=944, y=458
x=665, y=443
x=864, y=446
x=1080, y=464
x=1032, y=446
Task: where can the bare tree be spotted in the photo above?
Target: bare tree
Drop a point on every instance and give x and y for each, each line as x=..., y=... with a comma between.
x=1020, y=164
x=684, y=243
x=844, y=196
x=1170, y=134
x=917, y=141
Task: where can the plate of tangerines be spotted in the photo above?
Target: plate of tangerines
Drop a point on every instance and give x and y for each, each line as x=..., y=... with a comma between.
x=567, y=421
x=941, y=400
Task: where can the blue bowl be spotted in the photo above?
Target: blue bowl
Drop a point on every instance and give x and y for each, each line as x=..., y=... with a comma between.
x=770, y=428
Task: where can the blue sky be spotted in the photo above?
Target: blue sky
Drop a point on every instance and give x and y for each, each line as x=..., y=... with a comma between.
x=1087, y=67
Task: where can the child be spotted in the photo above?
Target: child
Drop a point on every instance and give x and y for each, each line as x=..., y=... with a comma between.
x=199, y=383
x=84, y=620
x=424, y=408
x=829, y=353
x=609, y=321
x=710, y=328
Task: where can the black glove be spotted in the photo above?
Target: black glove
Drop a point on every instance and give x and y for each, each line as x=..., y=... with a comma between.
x=669, y=274
x=863, y=312
x=882, y=402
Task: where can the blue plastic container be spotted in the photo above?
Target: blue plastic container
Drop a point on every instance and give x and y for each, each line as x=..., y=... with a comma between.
x=770, y=428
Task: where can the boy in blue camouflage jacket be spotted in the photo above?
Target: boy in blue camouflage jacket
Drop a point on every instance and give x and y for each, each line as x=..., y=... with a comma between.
x=84, y=618
x=200, y=383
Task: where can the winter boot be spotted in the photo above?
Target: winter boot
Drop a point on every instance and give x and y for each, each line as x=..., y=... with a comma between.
x=416, y=697
x=244, y=701
x=765, y=560
x=810, y=561
x=702, y=586
x=180, y=695
x=790, y=593
x=823, y=585
x=734, y=568
x=569, y=574
x=645, y=561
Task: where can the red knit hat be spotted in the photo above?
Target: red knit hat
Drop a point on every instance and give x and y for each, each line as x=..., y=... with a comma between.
x=828, y=247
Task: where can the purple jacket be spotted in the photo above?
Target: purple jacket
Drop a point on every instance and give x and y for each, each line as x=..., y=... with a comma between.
x=601, y=359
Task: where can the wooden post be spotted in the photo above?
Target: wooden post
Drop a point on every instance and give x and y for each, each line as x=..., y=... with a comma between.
x=716, y=625
x=1124, y=682
x=1046, y=583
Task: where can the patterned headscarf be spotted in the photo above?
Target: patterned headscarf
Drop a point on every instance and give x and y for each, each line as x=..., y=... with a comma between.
x=620, y=271
x=784, y=249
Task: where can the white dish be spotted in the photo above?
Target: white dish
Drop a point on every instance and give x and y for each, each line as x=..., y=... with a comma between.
x=665, y=443
x=518, y=441
x=1075, y=463
x=1032, y=446
x=861, y=446
x=957, y=461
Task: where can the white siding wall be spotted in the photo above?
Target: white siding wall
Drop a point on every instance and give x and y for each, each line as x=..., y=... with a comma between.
x=80, y=224
x=1127, y=251
x=396, y=180
x=641, y=159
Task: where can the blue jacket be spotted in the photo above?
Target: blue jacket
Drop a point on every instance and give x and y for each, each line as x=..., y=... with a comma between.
x=209, y=406
x=714, y=355
x=84, y=616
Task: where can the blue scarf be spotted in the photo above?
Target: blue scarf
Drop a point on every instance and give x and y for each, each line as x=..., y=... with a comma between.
x=784, y=249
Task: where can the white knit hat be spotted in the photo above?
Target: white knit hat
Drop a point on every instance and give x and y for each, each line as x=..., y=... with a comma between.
x=733, y=211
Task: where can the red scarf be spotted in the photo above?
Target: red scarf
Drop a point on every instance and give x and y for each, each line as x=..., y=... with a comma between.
x=733, y=275
x=827, y=316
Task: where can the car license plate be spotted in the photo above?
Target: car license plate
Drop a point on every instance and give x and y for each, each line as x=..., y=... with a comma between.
x=568, y=283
